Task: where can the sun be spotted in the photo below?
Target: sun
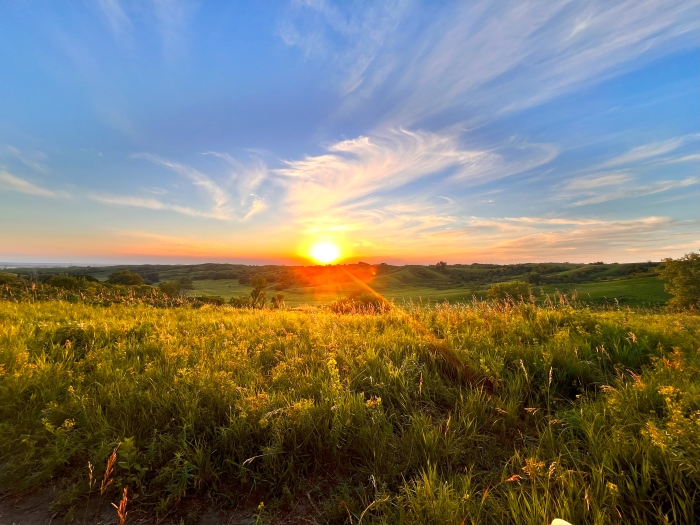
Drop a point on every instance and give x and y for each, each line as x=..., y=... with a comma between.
x=325, y=252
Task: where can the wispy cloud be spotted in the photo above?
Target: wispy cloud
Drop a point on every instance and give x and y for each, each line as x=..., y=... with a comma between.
x=491, y=56
x=640, y=190
x=695, y=157
x=173, y=17
x=230, y=191
x=356, y=168
x=316, y=25
x=612, y=238
x=150, y=204
x=169, y=18
x=522, y=239
x=634, y=173
x=115, y=16
x=654, y=151
x=592, y=182
x=220, y=199
x=35, y=160
x=13, y=183
x=244, y=179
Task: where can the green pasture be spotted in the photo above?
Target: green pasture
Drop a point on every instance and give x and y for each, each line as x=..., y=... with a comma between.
x=644, y=291
x=404, y=286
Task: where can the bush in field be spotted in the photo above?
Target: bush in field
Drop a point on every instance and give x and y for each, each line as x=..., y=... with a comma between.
x=682, y=278
x=215, y=300
x=360, y=303
x=512, y=289
x=125, y=277
x=172, y=288
x=67, y=282
x=241, y=302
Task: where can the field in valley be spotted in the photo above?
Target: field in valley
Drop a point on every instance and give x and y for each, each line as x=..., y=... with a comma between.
x=444, y=413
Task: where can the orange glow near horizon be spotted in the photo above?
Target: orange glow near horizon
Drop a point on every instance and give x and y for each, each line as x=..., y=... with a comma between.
x=325, y=252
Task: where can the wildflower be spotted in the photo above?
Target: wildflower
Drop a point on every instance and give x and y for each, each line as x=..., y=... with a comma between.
x=532, y=467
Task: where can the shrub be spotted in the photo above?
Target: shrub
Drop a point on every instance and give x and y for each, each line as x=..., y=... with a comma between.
x=125, y=277
x=171, y=288
x=241, y=302
x=510, y=289
x=682, y=278
x=360, y=303
x=215, y=300
x=66, y=282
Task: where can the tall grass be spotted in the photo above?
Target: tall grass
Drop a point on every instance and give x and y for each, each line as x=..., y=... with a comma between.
x=473, y=413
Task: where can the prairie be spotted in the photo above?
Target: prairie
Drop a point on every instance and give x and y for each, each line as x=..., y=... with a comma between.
x=469, y=412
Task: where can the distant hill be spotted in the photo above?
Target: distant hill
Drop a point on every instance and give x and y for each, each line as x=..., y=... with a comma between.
x=629, y=283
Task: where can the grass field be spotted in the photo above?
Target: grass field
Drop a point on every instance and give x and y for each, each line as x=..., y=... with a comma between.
x=645, y=291
x=458, y=413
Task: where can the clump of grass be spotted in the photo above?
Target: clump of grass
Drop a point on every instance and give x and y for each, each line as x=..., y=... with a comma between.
x=590, y=416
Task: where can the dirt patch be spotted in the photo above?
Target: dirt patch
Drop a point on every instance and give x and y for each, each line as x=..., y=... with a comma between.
x=36, y=509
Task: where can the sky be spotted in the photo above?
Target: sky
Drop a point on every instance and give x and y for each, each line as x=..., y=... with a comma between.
x=176, y=131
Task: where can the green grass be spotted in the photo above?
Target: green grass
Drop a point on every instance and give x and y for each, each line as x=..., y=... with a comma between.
x=403, y=287
x=225, y=288
x=644, y=291
x=473, y=413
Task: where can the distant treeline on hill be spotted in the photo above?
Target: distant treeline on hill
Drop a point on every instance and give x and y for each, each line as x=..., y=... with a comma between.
x=282, y=277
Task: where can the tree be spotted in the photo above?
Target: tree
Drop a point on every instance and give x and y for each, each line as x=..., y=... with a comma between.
x=67, y=282
x=257, y=294
x=172, y=288
x=125, y=277
x=441, y=266
x=186, y=283
x=150, y=277
x=534, y=278
x=682, y=278
x=176, y=287
x=512, y=289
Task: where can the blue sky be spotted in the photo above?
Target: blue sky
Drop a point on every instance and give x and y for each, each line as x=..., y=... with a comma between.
x=173, y=130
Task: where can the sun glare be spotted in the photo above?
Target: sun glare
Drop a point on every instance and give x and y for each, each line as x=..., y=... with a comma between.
x=325, y=252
